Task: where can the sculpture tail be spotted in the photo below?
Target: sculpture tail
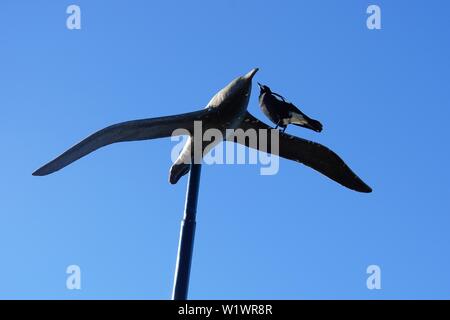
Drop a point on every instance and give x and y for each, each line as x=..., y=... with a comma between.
x=177, y=171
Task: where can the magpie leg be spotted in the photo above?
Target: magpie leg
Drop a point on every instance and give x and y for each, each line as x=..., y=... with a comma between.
x=284, y=129
x=278, y=124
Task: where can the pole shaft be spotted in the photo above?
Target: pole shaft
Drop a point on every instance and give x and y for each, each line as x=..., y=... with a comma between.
x=187, y=234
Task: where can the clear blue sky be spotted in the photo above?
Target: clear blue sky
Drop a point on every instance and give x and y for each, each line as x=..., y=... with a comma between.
x=383, y=97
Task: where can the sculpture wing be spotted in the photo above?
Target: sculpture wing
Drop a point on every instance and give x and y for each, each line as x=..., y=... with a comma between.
x=144, y=129
x=309, y=153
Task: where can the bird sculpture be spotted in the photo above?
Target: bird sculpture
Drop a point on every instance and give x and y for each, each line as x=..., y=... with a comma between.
x=226, y=110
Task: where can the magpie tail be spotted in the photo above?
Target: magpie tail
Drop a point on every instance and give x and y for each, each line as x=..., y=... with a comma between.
x=308, y=123
x=314, y=125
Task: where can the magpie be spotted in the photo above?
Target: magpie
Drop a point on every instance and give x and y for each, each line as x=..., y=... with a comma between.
x=283, y=113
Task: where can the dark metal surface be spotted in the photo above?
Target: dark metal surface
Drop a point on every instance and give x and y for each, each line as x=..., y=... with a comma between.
x=187, y=235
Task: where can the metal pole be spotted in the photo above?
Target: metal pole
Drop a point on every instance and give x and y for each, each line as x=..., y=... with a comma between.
x=187, y=234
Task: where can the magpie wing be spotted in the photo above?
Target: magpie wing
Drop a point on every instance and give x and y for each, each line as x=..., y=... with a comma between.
x=135, y=130
x=311, y=154
x=292, y=108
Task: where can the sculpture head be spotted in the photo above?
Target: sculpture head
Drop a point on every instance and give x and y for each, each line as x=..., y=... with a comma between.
x=237, y=92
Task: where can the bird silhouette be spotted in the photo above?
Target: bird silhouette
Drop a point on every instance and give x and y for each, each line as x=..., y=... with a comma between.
x=283, y=113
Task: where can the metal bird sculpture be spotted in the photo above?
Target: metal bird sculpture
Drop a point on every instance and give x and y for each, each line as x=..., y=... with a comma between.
x=283, y=113
x=226, y=110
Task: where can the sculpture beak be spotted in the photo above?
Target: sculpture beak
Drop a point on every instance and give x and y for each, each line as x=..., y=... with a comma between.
x=251, y=74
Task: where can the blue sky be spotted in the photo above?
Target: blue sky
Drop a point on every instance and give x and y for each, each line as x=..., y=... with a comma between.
x=382, y=96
